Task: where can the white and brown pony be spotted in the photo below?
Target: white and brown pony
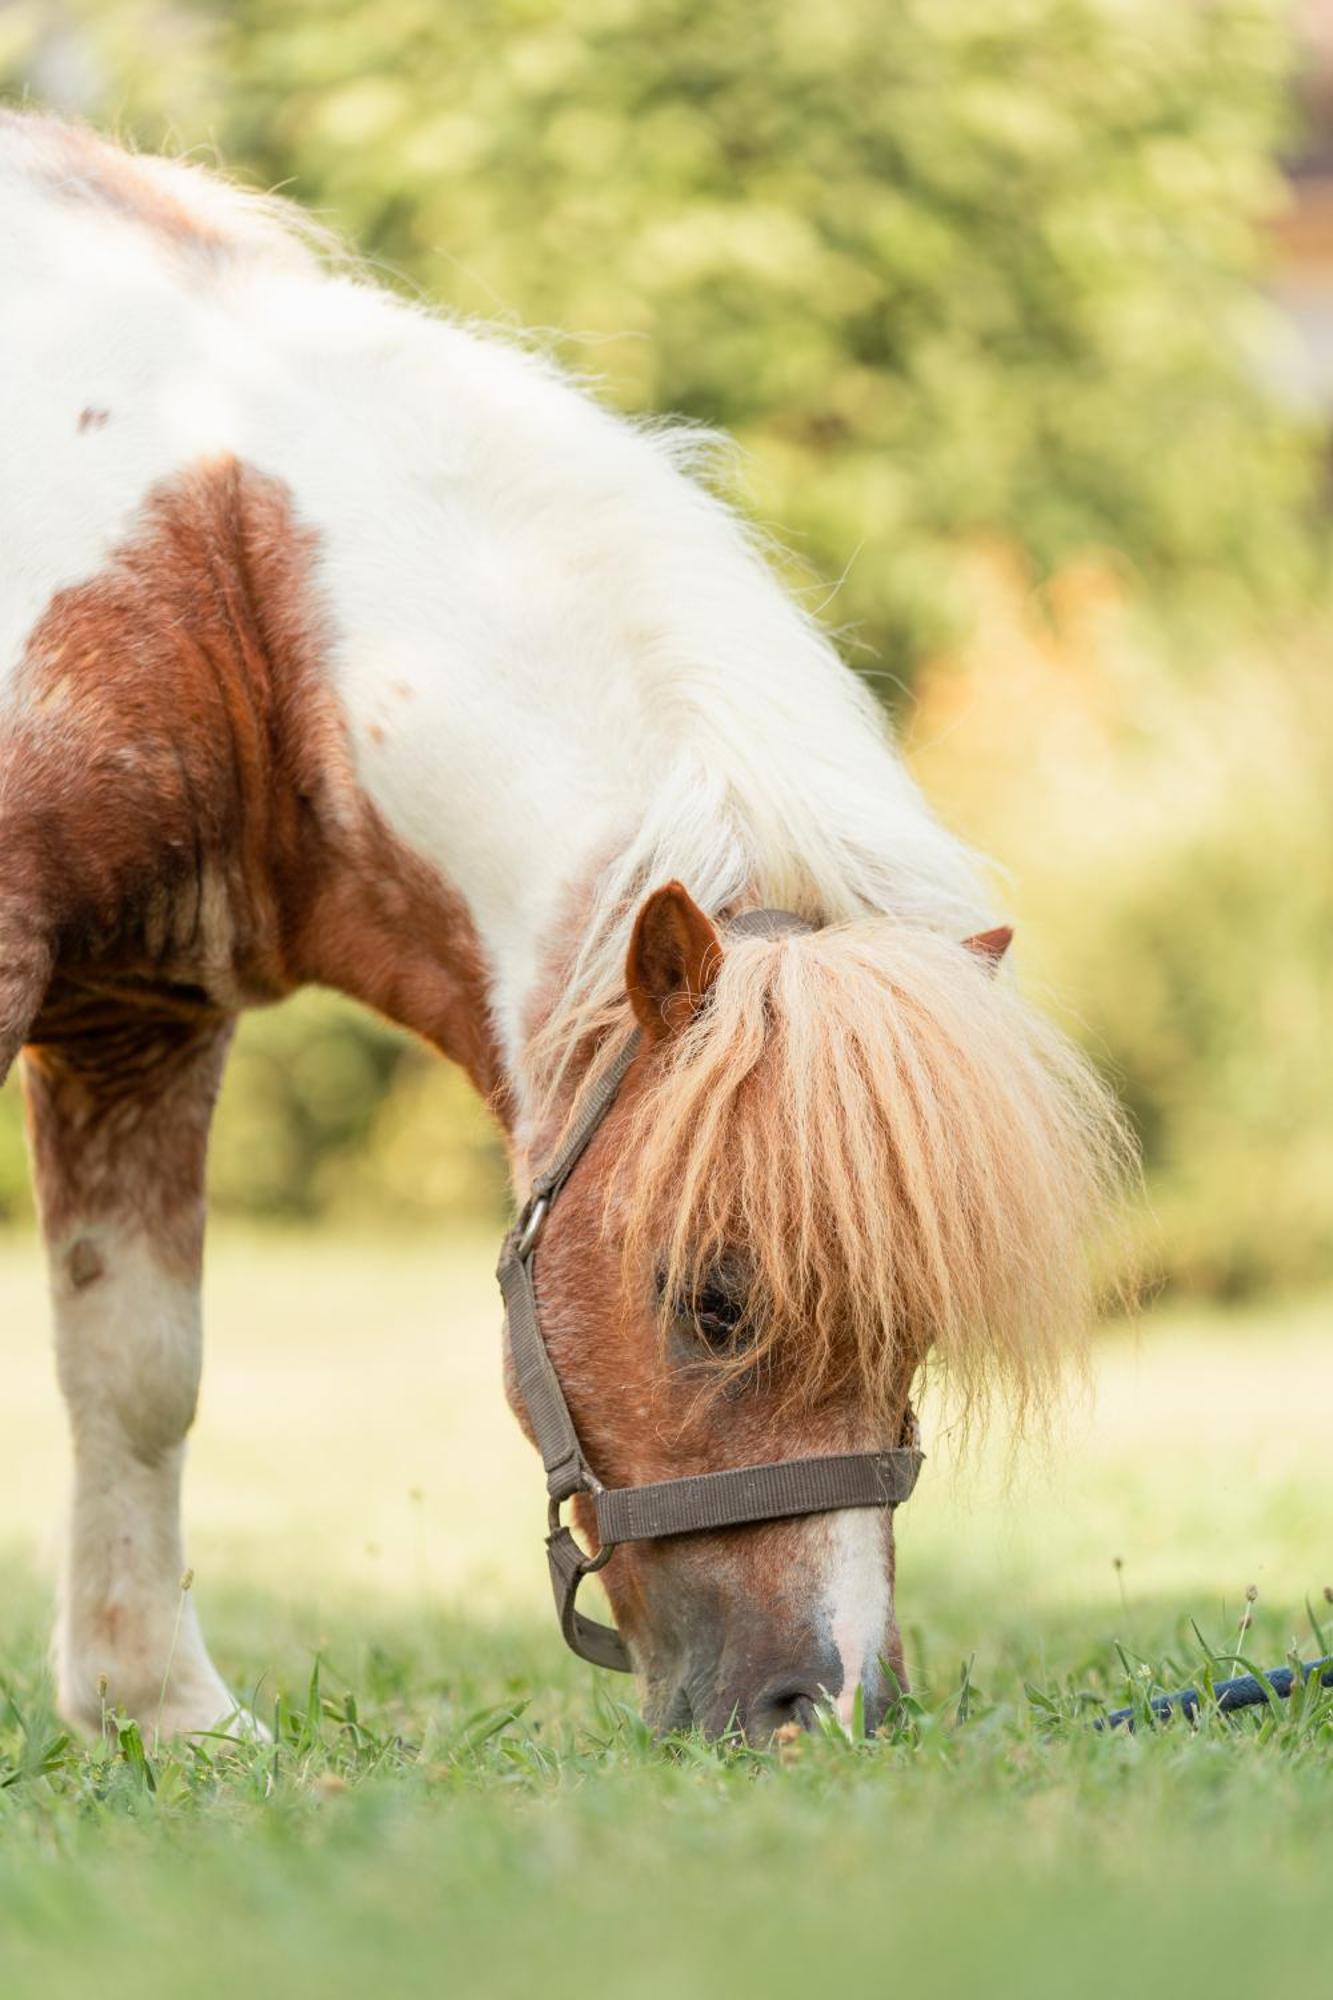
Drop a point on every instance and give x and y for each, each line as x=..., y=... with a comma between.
x=341, y=644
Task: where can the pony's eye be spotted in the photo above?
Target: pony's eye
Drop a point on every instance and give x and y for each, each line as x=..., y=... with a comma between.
x=716, y=1314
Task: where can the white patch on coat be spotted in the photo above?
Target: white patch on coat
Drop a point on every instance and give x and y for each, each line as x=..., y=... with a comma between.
x=857, y=1601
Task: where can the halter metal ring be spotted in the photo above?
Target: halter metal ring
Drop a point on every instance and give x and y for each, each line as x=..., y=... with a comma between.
x=534, y=1221
x=554, y=1526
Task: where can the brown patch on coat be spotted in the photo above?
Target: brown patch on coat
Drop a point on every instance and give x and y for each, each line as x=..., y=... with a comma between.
x=26, y=963
x=93, y=420
x=183, y=834
x=84, y=1263
x=82, y=167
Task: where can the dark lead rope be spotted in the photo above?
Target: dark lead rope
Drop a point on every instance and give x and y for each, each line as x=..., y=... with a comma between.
x=1245, y=1691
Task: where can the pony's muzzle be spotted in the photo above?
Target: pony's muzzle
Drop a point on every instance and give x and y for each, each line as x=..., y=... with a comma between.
x=794, y=1692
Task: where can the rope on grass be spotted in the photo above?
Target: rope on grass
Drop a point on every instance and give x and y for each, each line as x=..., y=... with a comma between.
x=1243, y=1692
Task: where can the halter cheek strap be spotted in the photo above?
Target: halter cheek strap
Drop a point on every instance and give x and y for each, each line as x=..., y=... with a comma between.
x=781, y=1490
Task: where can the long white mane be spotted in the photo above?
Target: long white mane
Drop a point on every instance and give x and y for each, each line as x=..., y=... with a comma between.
x=769, y=773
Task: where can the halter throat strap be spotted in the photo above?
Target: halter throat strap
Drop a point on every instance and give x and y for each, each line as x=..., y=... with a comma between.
x=696, y=1504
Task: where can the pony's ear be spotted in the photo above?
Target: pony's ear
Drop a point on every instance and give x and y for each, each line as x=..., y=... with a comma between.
x=674, y=957
x=991, y=946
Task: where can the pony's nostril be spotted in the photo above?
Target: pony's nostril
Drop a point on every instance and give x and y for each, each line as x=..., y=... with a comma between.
x=786, y=1703
x=803, y=1710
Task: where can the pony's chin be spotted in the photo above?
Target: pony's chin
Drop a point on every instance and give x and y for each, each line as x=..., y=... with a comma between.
x=670, y=1714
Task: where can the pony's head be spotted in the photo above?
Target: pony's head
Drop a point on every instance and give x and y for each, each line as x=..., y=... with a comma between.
x=836, y=1154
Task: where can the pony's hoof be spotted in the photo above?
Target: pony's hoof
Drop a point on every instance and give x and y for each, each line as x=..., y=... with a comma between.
x=182, y=1721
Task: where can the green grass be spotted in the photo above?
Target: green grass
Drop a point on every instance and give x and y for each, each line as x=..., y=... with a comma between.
x=453, y=1805
x=452, y=1810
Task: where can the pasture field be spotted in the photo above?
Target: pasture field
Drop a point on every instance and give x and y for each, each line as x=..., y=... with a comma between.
x=454, y=1805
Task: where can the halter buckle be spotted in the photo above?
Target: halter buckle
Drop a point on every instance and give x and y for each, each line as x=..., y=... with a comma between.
x=601, y=1644
x=589, y=1565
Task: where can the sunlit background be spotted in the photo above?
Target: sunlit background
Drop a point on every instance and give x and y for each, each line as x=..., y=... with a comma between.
x=1022, y=318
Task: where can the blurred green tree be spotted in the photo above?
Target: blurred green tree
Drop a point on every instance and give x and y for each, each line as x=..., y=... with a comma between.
x=946, y=269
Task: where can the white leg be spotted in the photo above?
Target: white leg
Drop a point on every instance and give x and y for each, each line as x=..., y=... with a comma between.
x=128, y=1346
x=119, y=1129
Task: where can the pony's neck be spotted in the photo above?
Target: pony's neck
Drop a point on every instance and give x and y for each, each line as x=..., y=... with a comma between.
x=569, y=677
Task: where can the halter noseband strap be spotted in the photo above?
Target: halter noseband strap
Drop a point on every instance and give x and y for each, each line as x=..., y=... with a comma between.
x=746, y=1494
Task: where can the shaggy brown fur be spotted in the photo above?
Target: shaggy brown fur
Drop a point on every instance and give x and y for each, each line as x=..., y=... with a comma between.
x=179, y=812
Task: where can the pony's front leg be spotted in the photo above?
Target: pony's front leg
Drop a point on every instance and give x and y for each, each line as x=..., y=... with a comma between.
x=119, y=1122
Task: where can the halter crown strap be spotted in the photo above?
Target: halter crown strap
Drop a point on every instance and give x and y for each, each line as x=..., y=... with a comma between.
x=597, y=1102
x=694, y=1505
x=567, y=1470
x=767, y=924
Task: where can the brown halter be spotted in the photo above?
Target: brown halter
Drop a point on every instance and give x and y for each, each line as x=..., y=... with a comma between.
x=749, y=1493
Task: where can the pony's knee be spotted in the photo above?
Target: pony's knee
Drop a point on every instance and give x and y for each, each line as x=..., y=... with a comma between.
x=128, y=1339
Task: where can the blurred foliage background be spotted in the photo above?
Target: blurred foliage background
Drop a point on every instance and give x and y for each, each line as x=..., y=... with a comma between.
x=978, y=287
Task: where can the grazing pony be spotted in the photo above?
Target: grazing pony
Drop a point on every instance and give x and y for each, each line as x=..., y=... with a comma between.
x=340, y=644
